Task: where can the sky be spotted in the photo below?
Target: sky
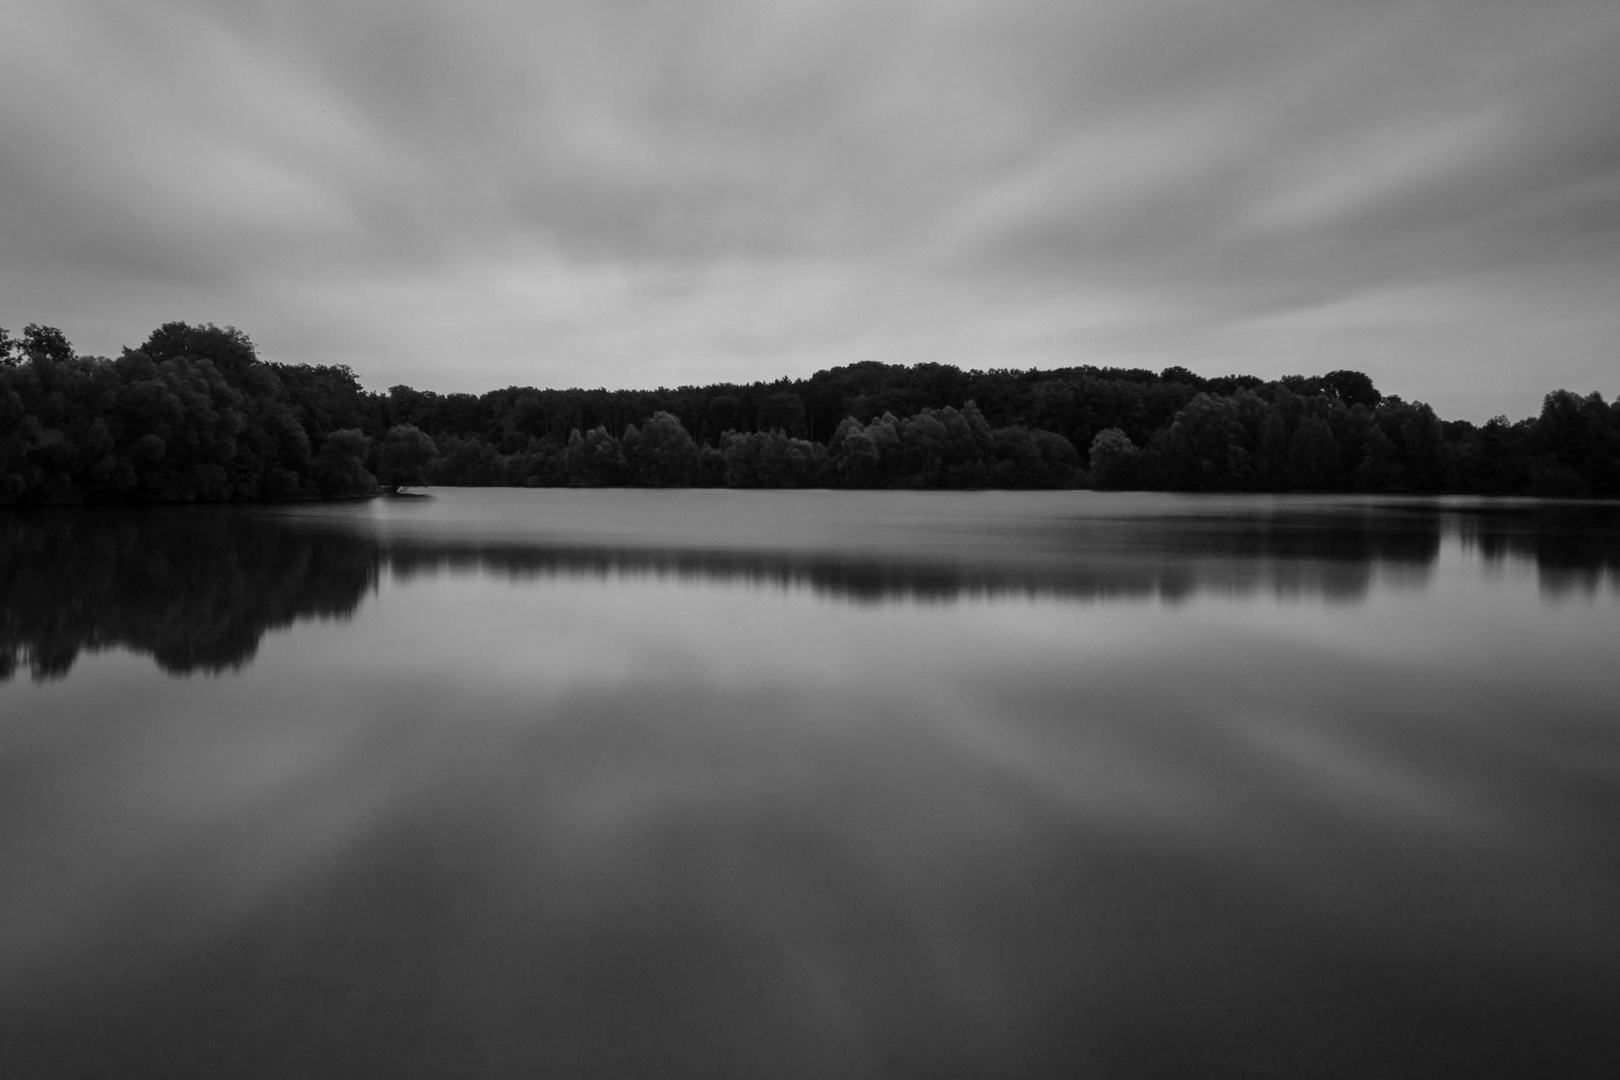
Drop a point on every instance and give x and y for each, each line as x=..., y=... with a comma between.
x=607, y=193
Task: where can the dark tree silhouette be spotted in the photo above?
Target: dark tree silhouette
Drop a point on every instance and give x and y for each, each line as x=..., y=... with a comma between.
x=405, y=457
x=195, y=415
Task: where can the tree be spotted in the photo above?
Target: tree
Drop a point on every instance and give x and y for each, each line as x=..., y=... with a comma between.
x=594, y=459
x=782, y=412
x=1578, y=440
x=230, y=350
x=856, y=457
x=665, y=454
x=1415, y=431
x=925, y=443
x=1059, y=462
x=1379, y=470
x=1204, y=449
x=724, y=414
x=1352, y=388
x=1271, y=451
x=1313, y=455
x=45, y=344
x=1114, y=460
x=340, y=466
x=469, y=462
x=405, y=456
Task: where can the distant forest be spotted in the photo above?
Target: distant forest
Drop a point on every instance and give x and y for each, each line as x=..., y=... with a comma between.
x=193, y=415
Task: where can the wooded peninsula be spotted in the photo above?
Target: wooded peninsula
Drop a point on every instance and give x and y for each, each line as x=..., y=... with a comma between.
x=193, y=415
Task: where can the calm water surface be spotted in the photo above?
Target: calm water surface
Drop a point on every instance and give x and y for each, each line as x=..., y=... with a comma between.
x=625, y=783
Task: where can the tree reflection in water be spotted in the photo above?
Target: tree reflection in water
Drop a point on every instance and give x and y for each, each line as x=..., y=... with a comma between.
x=194, y=588
x=621, y=783
x=197, y=588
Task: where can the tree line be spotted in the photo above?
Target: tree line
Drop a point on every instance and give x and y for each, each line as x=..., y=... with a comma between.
x=194, y=415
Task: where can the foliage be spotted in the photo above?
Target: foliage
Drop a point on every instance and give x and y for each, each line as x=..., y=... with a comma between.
x=405, y=456
x=195, y=415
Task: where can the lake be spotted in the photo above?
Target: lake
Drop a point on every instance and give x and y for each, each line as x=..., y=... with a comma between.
x=854, y=784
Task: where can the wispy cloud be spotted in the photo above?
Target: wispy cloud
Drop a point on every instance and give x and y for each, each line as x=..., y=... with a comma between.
x=461, y=196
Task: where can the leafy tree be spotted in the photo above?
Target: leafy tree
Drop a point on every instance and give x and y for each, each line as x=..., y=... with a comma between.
x=1418, y=439
x=229, y=349
x=1115, y=460
x=594, y=459
x=1352, y=388
x=1058, y=463
x=45, y=345
x=665, y=454
x=1206, y=448
x=469, y=462
x=405, y=457
x=340, y=465
x=783, y=411
x=1313, y=455
x=1577, y=443
x=1379, y=469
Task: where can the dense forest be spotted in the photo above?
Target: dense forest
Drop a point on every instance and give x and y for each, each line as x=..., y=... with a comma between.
x=194, y=415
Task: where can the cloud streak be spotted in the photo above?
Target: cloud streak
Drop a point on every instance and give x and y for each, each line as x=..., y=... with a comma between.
x=463, y=196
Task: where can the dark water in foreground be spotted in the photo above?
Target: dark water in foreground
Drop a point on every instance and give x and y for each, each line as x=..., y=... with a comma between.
x=618, y=783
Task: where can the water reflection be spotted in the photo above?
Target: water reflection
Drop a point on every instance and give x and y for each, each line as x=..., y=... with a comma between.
x=1573, y=545
x=194, y=588
x=197, y=588
x=813, y=786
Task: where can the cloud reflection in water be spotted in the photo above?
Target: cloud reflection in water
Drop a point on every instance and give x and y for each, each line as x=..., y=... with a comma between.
x=921, y=798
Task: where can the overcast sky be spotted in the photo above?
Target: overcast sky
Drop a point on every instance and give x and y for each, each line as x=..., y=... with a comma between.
x=464, y=196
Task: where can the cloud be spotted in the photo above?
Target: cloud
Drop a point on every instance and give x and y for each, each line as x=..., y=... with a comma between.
x=462, y=196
